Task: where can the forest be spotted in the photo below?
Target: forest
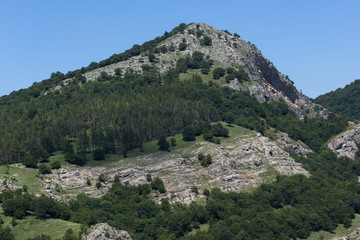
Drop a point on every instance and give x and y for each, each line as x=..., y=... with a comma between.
x=344, y=101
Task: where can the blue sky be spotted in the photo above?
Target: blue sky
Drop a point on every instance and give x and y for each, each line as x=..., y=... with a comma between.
x=316, y=43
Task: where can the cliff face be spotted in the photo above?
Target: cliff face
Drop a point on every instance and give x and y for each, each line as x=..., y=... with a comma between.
x=265, y=83
x=345, y=143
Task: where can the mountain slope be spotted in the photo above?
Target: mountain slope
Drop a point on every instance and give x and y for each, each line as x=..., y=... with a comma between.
x=265, y=82
x=344, y=101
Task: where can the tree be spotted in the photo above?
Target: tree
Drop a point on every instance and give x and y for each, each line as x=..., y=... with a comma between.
x=152, y=57
x=44, y=168
x=188, y=133
x=218, y=73
x=173, y=142
x=163, y=144
x=206, y=41
x=182, y=46
x=30, y=161
x=158, y=184
x=98, y=154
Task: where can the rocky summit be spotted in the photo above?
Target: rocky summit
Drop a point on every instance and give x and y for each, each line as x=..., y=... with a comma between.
x=266, y=83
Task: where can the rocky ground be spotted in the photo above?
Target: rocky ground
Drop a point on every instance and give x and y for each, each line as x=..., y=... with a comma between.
x=240, y=162
x=103, y=231
x=345, y=143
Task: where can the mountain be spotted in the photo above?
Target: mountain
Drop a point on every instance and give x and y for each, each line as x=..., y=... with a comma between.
x=265, y=82
x=192, y=135
x=344, y=101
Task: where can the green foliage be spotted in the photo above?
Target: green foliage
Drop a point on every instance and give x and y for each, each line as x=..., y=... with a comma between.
x=163, y=144
x=70, y=235
x=218, y=73
x=44, y=168
x=219, y=131
x=173, y=142
x=148, y=177
x=102, y=178
x=206, y=41
x=41, y=237
x=76, y=158
x=55, y=164
x=152, y=57
x=188, y=133
x=182, y=46
x=344, y=101
x=98, y=154
x=205, y=160
x=30, y=161
x=158, y=184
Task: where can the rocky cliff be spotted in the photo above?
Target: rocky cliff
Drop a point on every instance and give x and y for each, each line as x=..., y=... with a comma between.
x=345, y=143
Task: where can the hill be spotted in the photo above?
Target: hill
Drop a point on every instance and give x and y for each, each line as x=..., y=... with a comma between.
x=192, y=130
x=344, y=101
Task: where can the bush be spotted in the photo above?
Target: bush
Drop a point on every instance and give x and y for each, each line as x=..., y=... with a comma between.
x=188, y=133
x=98, y=155
x=158, y=184
x=163, y=144
x=206, y=41
x=76, y=158
x=44, y=169
x=182, y=46
x=205, y=160
x=173, y=142
x=30, y=161
x=55, y=164
x=218, y=73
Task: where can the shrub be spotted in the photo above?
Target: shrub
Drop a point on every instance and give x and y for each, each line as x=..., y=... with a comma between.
x=188, y=133
x=182, y=46
x=158, y=184
x=98, y=155
x=218, y=73
x=44, y=169
x=55, y=164
x=30, y=161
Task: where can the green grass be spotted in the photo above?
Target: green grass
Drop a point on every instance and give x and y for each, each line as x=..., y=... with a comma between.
x=338, y=232
x=21, y=177
x=31, y=227
x=269, y=175
x=203, y=228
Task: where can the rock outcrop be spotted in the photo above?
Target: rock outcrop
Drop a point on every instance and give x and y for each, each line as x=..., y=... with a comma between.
x=240, y=162
x=103, y=231
x=297, y=146
x=345, y=143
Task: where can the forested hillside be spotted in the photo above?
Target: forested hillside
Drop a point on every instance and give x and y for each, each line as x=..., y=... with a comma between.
x=344, y=101
x=72, y=118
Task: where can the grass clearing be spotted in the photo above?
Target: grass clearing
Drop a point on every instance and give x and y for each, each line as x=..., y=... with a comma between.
x=21, y=177
x=203, y=228
x=31, y=227
x=338, y=232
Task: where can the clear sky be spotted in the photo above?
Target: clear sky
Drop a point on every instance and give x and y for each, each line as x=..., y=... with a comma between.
x=316, y=43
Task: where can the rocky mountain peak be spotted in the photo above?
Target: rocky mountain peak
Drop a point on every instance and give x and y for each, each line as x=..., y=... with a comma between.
x=265, y=82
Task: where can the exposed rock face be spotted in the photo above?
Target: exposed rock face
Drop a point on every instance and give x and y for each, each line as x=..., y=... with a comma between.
x=240, y=162
x=103, y=231
x=345, y=143
x=297, y=146
x=266, y=82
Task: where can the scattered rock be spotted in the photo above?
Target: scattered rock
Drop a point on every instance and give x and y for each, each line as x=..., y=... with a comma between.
x=103, y=231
